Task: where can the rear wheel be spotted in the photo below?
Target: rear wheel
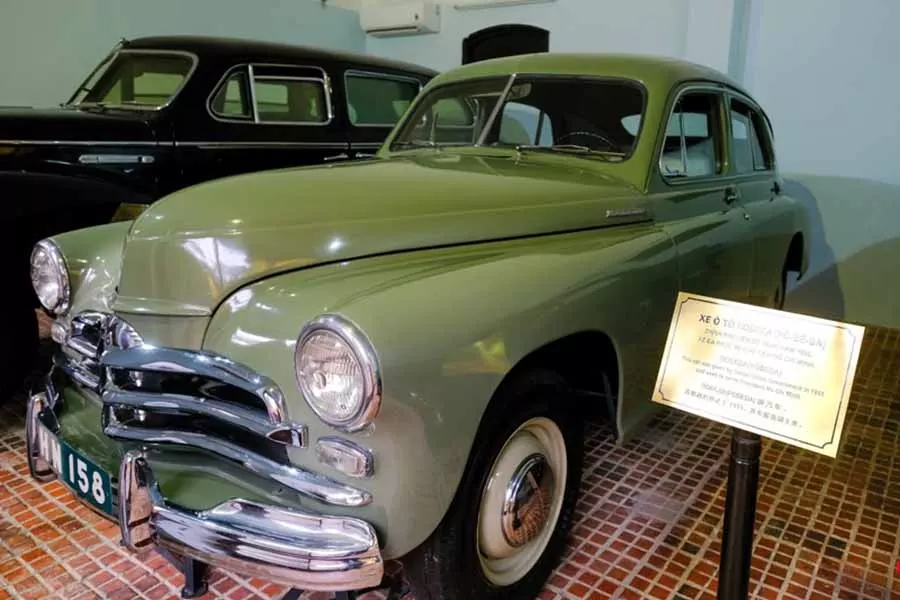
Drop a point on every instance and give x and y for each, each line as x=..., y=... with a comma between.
x=18, y=348
x=506, y=528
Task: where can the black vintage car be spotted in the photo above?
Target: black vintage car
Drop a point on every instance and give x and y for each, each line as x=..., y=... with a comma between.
x=162, y=113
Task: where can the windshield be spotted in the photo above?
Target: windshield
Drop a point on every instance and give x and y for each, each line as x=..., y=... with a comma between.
x=590, y=117
x=135, y=80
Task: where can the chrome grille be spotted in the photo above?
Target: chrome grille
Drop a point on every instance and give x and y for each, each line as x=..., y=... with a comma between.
x=194, y=399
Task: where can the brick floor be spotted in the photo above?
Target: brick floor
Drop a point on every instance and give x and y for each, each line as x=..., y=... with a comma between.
x=648, y=522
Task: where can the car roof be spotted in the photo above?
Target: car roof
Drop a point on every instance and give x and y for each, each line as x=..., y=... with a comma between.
x=246, y=50
x=652, y=71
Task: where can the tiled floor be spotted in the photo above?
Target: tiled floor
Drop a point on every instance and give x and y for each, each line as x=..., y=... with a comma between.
x=649, y=521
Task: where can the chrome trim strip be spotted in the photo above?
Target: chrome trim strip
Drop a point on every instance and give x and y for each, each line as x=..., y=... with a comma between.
x=206, y=364
x=243, y=145
x=365, y=354
x=78, y=143
x=317, y=487
x=232, y=414
x=195, y=60
x=286, y=545
x=376, y=75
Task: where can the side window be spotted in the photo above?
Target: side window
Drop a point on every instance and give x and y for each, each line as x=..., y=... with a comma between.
x=232, y=100
x=749, y=144
x=692, y=145
x=290, y=100
x=524, y=124
x=378, y=100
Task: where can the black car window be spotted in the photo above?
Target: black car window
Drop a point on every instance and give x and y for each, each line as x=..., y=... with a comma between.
x=378, y=100
x=139, y=78
x=290, y=100
x=232, y=100
x=692, y=143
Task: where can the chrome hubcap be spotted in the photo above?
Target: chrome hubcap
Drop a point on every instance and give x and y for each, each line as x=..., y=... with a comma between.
x=521, y=501
x=528, y=497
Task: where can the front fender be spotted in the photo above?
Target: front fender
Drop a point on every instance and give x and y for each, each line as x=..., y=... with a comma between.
x=93, y=256
x=447, y=326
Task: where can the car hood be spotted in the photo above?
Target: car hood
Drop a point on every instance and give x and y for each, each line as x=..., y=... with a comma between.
x=71, y=124
x=192, y=249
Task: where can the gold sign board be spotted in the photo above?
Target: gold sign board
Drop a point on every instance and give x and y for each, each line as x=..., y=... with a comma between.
x=781, y=375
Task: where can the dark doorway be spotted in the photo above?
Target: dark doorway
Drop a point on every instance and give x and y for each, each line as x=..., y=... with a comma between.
x=504, y=40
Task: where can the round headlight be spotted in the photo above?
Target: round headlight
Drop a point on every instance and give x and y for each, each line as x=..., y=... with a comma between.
x=50, y=277
x=337, y=373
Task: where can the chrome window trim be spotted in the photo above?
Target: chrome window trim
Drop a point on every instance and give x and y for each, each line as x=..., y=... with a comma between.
x=246, y=71
x=719, y=91
x=195, y=60
x=377, y=75
x=252, y=77
x=360, y=345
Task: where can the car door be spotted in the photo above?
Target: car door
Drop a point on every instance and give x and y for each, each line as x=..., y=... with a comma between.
x=753, y=166
x=375, y=101
x=696, y=201
x=261, y=116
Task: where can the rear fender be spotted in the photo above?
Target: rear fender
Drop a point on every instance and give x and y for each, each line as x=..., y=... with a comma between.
x=447, y=326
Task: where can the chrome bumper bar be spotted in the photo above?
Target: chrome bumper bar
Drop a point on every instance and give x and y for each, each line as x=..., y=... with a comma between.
x=290, y=546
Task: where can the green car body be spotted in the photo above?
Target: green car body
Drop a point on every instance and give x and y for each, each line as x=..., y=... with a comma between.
x=459, y=264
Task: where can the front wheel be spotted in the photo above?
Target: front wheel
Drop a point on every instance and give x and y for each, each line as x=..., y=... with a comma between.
x=506, y=529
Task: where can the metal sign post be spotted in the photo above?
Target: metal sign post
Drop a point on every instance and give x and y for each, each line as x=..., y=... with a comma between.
x=763, y=372
x=740, y=513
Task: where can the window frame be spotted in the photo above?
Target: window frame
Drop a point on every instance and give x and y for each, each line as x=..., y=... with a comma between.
x=111, y=58
x=377, y=75
x=247, y=71
x=510, y=79
x=759, y=121
x=724, y=129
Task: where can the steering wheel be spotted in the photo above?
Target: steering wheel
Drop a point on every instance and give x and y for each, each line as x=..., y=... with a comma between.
x=599, y=136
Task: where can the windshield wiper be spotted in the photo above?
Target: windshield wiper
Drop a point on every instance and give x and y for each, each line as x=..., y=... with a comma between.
x=416, y=144
x=564, y=148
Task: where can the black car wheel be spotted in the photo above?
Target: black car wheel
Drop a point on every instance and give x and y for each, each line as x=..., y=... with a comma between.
x=18, y=348
x=506, y=528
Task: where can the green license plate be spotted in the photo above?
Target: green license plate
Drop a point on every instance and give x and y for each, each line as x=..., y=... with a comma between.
x=88, y=481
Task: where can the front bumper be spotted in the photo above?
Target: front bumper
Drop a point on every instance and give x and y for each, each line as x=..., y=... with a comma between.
x=295, y=547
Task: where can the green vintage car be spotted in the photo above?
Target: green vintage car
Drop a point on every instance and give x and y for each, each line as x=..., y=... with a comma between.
x=301, y=373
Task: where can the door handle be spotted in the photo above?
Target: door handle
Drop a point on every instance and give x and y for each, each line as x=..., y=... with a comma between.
x=731, y=195
x=341, y=156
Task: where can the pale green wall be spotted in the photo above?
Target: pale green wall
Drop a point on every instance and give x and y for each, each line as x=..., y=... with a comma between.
x=48, y=46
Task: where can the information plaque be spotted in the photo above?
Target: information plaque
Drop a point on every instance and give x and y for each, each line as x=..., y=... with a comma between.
x=781, y=375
